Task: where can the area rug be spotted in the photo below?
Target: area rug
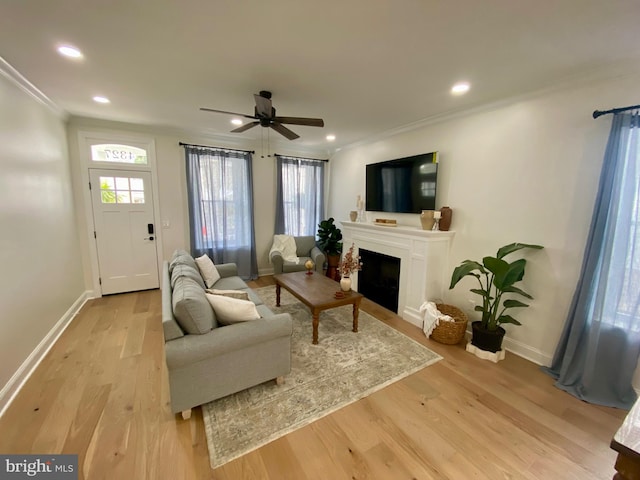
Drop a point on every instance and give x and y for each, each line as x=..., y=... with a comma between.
x=343, y=368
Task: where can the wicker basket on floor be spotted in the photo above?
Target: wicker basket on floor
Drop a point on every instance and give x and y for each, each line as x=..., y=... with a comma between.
x=450, y=333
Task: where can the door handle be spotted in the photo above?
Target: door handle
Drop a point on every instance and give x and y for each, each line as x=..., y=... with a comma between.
x=148, y=238
x=150, y=229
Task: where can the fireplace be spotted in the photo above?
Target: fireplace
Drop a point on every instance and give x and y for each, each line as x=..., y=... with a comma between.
x=379, y=279
x=422, y=254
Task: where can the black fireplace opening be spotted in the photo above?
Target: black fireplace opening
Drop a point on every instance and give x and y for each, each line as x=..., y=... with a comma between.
x=379, y=279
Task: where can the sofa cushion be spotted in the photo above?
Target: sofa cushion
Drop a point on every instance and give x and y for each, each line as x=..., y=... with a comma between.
x=288, y=267
x=180, y=270
x=208, y=270
x=239, y=294
x=179, y=252
x=180, y=257
x=232, y=310
x=230, y=283
x=191, y=308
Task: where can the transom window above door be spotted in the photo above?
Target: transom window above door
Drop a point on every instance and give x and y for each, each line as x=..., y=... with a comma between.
x=115, y=153
x=121, y=190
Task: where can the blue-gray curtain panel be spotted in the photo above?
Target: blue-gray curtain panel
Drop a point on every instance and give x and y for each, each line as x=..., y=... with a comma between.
x=598, y=351
x=299, y=195
x=220, y=198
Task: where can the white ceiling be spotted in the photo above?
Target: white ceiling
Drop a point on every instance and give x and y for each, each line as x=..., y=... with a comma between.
x=364, y=66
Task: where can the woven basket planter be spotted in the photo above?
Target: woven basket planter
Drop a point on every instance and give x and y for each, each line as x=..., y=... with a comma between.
x=450, y=333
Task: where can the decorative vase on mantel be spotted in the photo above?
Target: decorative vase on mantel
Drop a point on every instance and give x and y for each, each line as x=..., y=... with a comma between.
x=426, y=219
x=445, y=218
x=345, y=284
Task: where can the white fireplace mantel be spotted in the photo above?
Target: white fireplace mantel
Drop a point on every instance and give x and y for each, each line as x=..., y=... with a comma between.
x=424, y=261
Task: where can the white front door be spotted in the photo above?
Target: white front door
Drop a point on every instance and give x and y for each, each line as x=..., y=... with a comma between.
x=125, y=230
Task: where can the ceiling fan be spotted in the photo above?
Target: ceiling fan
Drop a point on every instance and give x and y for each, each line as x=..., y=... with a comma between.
x=265, y=116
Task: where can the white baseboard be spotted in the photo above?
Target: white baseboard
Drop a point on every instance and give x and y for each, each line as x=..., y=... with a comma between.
x=413, y=316
x=263, y=272
x=522, y=350
x=525, y=351
x=15, y=383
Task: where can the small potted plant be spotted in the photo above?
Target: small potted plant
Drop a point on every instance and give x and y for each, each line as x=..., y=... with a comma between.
x=349, y=264
x=496, y=278
x=329, y=241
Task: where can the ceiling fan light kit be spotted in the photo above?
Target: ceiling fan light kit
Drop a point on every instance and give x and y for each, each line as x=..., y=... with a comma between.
x=265, y=116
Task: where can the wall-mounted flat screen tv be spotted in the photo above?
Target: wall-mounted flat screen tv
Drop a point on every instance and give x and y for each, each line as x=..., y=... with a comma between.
x=403, y=185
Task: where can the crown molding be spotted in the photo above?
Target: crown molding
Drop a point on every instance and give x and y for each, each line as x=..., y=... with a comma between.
x=611, y=71
x=20, y=81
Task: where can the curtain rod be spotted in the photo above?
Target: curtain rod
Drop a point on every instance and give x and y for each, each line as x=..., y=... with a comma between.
x=215, y=148
x=598, y=113
x=304, y=158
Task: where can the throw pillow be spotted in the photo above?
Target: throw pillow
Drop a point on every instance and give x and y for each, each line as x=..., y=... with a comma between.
x=239, y=294
x=207, y=270
x=231, y=310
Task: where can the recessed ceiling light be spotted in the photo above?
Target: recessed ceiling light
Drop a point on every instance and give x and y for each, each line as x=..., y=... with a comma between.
x=460, y=88
x=100, y=99
x=69, y=51
x=331, y=138
x=236, y=121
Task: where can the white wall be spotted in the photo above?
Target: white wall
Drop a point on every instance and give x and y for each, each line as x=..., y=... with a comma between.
x=41, y=268
x=172, y=183
x=526, y=171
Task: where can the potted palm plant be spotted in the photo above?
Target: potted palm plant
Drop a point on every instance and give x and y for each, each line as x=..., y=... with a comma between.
x=330, y=242
x=496, y=278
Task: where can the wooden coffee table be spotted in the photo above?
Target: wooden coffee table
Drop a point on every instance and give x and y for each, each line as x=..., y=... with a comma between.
x=318, y=293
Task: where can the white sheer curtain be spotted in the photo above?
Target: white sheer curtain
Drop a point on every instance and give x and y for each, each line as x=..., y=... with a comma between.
x=220, y=197
x=299, y=195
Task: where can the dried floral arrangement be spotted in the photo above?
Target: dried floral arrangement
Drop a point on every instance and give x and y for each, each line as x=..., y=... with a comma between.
x=350, y=263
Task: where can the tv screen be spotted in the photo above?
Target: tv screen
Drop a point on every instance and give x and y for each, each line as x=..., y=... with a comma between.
x=404, y=185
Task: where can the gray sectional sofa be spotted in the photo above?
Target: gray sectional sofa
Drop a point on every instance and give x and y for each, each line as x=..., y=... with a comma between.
x=207, y=360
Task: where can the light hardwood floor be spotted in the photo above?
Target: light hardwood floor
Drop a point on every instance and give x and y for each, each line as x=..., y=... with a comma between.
x=102, y=393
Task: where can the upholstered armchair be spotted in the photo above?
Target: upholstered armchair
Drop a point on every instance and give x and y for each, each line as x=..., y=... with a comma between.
x=305, y=249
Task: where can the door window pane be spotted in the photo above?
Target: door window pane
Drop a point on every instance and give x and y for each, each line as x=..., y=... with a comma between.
x=123, y=197
x=108, y=196
x=107, y=183
x=136, y=184
x=122, y=183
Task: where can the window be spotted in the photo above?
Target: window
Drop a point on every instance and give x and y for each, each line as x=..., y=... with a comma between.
x=299, y=195
x=121, y=190
x=109, y=152
x=219, y=187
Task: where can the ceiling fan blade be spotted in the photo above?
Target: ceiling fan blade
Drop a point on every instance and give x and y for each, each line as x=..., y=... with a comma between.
x=310, y=122
x=263, y=106
x=245, y=127
x=282, y=130
x=223, y=111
